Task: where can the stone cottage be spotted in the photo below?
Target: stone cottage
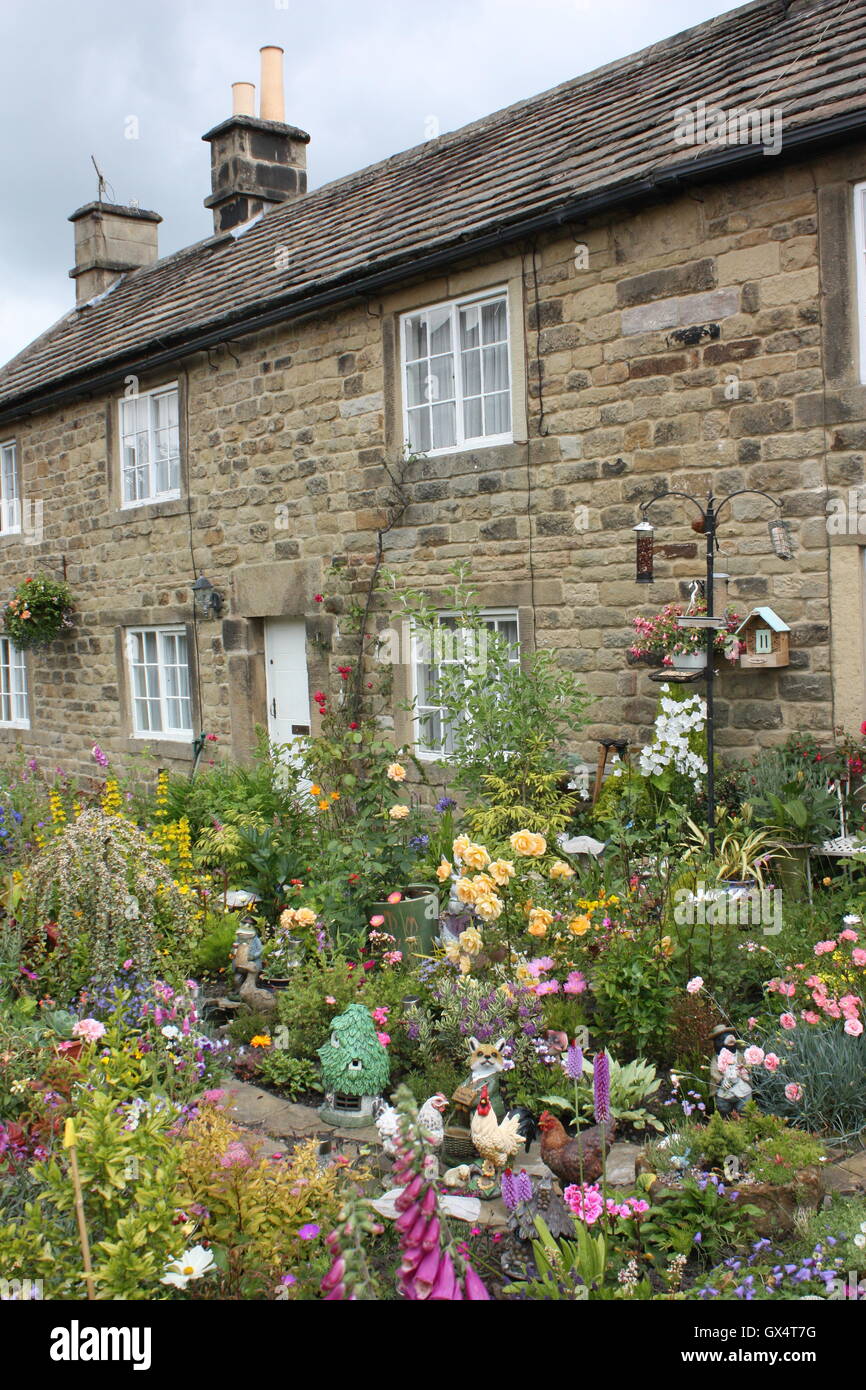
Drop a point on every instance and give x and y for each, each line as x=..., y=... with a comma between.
x=650, y=278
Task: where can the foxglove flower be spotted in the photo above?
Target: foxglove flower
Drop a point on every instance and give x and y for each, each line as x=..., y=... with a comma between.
x=523, y=1186
x=509, y=1189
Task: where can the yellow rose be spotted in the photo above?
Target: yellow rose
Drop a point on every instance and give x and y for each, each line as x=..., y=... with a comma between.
x=452, y=951
x=460, y=846
x=471, y=941
x=397, y=772
x=483, y=884
x=465, y=890
x=465, y=963
x=561, y=870
x=540, y=916
x=305, y=917
x=287, y=917
x=521, y=842
x=489, y=907
x=398, y=812
x=579, y=926
x=475, y=857
x=537, y=929
x=443, y=871
x=501, y=870
x=539, y=846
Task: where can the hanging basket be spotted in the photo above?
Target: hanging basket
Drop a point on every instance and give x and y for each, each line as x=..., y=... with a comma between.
x=689, y=661
x=38, y=612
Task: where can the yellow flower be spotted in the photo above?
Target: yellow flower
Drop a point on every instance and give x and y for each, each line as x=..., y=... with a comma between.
x=471, y=941
x=475, y=856
x=398, y=812
x=561, y=870
x=305, y=917
x=444, y=870
x=397, y=772
x=501, y=870
x=579, y=926
x=465, y=964
x=335, y=796
x=539, y=916
x=260, y=1040
x=483, y=884
x=539, y=846
x=315, y=790
x=666, y=946
x=489, y=907
x=521, y=842
x=465, y=890
x=324, y=805
x=537, y=929
x=452, y=950
x=461, y=844
x=613, y=898
x=287, y=917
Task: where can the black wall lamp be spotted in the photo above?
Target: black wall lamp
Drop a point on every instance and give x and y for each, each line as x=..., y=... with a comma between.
x=208, y=603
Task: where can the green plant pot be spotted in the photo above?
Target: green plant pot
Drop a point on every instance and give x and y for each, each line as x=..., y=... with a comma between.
x=793, y=871
x=414, y=921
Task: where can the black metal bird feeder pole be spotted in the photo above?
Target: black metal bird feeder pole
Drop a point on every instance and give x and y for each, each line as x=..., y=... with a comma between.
x=707, y=526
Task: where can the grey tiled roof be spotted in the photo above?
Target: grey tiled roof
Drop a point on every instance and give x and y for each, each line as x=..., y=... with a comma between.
x=586, y=139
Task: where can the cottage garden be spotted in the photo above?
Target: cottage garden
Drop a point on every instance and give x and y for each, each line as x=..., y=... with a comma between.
x=552, y=1048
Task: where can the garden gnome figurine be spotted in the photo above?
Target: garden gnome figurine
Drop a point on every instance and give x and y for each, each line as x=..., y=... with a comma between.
x=355, y=1069
x=729, y=1075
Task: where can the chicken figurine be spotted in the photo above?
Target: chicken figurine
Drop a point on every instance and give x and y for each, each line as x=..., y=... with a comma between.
x=564, y=1155
x=429, y=1119
x=496, y=1142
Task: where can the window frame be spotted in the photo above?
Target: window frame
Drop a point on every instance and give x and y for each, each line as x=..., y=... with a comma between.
x=7, y=646
x=165, y=733
x=462, y=441
x=171, y=494
x=15, y=501
x=860, y=270
x=441, y=755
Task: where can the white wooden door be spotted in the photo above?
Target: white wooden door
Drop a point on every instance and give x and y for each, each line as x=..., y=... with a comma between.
x=287, y=683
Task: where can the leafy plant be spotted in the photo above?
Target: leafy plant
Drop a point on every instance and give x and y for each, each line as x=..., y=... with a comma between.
x=631, y=1085
x=290, y=1075
x=213, y=952
x=828, y=1066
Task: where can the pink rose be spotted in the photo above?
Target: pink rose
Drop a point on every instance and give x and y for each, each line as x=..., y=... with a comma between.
x=771, y=1062
x=858, y=955
x=793, y=1091
x=90, y=1029
x=787, y=1021
x=823, y=948
x=853, y=1027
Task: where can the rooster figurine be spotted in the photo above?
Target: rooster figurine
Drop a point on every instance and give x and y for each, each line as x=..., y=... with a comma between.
x=496, y=1143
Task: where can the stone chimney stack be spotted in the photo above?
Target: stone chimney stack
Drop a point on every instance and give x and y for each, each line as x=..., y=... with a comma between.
x=108, y=241
x=256, y=162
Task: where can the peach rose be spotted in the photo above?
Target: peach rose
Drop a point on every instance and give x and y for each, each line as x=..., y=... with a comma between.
x=501, y=870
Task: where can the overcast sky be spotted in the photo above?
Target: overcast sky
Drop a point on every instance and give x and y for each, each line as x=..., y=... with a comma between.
x=363, y=79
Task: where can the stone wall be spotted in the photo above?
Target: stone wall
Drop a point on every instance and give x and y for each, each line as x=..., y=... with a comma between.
x=704, y=342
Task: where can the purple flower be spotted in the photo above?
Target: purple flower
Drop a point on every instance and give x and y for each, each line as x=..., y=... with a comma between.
x=98, y=756
x=445, y=803
x=601, y=1087
x=573, y=1062
x=509, y=1192
x=523, y=1186
x=310, y=1231
x=288, y=1279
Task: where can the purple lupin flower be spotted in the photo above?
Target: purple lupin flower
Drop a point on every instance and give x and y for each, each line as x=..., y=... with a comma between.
x=523, y=1186
x=573, y=1062
x=509, y=1189
x=601, y=1087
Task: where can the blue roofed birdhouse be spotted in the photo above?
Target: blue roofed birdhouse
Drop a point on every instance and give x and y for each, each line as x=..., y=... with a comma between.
x=764, y=638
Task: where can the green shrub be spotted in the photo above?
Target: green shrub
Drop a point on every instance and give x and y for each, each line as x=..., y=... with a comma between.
x=213, y=952
x=292, y=1076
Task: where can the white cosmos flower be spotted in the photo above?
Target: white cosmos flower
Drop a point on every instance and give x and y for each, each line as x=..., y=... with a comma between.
x=192, y=1264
